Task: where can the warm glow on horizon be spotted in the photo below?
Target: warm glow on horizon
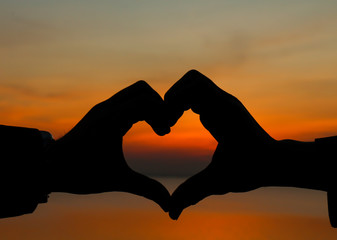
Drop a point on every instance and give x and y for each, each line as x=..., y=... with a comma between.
x=60, y=58
x=116, y=224
x=187, y=136
x=265, y=215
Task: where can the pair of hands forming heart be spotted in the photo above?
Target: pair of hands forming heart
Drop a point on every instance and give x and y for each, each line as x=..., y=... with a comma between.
x=89, y=159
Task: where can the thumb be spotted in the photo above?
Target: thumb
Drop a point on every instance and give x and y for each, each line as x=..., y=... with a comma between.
x=149, y=188
x=192, y=191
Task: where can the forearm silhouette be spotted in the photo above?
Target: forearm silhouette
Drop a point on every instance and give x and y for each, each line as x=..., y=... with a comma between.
x=246, y=157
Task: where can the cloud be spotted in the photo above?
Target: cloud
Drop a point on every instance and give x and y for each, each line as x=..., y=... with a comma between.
x=230, y=51
x=32, y=93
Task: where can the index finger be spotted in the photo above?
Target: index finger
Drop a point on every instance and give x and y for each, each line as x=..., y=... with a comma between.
x=135, y=103
x=193, y=91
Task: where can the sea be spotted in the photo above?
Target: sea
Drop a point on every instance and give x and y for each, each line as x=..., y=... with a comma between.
x=272, y=213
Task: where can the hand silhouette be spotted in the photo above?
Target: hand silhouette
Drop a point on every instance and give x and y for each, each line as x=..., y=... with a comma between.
x=89, y=159
x=246, y=157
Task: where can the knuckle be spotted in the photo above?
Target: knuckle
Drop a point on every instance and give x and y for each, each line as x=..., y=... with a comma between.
x=145, y=89
x=142, y=84
x=97, y=110
x=193, y=73
x=194, y=77
x=168, y=96
x=98, y=107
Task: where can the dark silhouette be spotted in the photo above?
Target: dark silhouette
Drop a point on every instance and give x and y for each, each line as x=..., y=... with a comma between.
x=23, y=172
x=246, y=157
x=88, y=159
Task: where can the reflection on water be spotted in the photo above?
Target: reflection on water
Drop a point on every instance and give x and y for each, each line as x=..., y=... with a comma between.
x=269, y=213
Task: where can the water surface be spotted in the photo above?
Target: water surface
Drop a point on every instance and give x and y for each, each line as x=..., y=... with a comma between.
x=267, y=213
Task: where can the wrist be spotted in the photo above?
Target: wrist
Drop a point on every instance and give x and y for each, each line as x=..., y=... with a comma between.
x=64, y=156
x=54, y=154
x=326, y=153
x=296, y=164
x=47, y=140
x=326, y=149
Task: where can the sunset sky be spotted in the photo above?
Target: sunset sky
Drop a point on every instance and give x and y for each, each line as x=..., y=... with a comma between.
x=60, y=58
x=279, y=57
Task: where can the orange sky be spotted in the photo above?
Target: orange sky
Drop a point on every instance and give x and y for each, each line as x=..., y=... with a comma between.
x=279, y=58
x=60, y=58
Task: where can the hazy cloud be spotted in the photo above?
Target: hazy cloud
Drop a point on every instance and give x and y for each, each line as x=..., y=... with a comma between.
x=22, y=31
x=30, y=92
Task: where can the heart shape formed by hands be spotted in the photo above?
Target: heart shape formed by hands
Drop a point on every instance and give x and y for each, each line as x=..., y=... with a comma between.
x=90, y=159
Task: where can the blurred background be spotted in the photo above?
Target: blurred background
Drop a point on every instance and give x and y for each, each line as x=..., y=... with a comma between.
x=60, y=58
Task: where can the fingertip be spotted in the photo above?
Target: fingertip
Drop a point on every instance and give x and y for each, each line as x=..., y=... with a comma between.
x=149, y=188
x=162, y=131
x=163, y=198
x=175, y=214
x=178, y=203
x=174, y=113
x=165, y=207
x=192, y=72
